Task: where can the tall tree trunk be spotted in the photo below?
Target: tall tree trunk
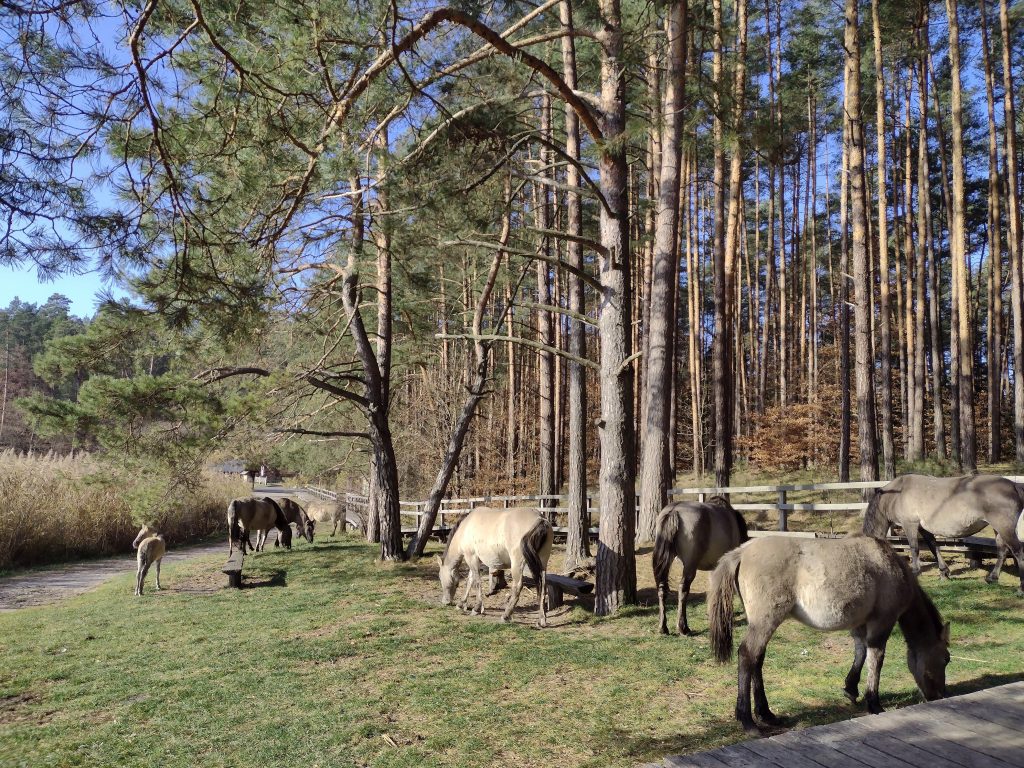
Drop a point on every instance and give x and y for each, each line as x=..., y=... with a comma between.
x=545, y=329
x=720, y=344
x=1014, y=215
x=616, y=555
x=994, y=326
x=958, y=250
x=577, y=543
x=859, y=254
x=885, y=320
x=655, y=477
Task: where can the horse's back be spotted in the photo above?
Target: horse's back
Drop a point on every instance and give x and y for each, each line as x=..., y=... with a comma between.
x=705, y=532
x=957, y=506
x=152, y=549
x=495, y=535
x=829, y=584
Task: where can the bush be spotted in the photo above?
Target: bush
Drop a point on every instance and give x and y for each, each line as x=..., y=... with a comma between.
x=54, y=509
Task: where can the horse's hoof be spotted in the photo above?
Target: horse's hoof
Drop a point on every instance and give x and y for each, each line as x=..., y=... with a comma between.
x=991, y=580
x=542, y=624
x=753, y=730
x=875, y=708
x=663, y=630
x=505, y=619
x=685, y=632
x=851, y=695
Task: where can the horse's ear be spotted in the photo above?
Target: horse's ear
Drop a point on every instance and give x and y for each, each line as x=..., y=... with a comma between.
x=438, y=560
x=945, y=633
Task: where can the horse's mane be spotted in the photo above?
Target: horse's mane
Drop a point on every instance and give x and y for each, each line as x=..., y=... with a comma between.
x=876, y=521
x=921, y=613
x=741, y=524
x=281, y=520
x=451, y=536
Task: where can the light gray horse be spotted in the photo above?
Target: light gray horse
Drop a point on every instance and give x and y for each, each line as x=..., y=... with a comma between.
x=953, y=507
x=698, y=534
x=512, y=539
x=246, y=515
x=858, y=584
x=151, y=549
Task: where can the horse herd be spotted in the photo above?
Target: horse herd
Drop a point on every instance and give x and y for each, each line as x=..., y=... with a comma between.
x=858, y=583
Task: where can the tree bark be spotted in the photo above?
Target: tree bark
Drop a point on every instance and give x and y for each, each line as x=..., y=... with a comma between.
x=958, y=250
x=655, y=477
x=577, y=544
x=616, y=558
x=859, y=254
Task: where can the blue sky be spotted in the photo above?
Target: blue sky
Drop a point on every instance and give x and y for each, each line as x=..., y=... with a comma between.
x=22, y=282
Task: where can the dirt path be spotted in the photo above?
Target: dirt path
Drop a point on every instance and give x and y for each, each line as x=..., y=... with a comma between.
x=48, y=585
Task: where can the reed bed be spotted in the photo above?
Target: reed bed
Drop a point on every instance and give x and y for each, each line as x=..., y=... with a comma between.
x=60, y=508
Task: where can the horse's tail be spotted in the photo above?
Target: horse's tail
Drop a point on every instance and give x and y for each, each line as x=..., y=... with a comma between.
x=533, y=542
x=234, y=530
x=724, y=584
x=664, y=544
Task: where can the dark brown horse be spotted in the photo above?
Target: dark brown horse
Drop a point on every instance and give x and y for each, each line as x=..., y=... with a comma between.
x=698, y=534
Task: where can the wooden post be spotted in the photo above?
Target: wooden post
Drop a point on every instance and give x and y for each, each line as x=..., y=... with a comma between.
x=783, y=513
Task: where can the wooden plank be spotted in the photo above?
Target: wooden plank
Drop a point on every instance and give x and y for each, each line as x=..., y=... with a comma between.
x=899, y=750
x=799, y=741
x=739, y=756
x=699, y=760
x=954, y=743
x=780, y=754
x=998, y=714
x=1001, y=743
x=835, y=738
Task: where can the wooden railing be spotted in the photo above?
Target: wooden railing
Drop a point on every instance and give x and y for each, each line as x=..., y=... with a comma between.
x=554, y=503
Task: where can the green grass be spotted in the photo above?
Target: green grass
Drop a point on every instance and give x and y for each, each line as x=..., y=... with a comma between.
x=334, y=660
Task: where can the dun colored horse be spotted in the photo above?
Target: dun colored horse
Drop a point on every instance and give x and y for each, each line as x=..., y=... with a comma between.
x=293, y=513
x=858, y=584
x=500, y=539
x=151, y=549
x=698, y=534
x=246, y=515
x=953, y=507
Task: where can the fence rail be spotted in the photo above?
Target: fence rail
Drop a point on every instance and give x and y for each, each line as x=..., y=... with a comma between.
x=553, y=503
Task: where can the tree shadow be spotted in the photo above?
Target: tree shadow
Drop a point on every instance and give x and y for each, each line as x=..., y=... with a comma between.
x=278, y=577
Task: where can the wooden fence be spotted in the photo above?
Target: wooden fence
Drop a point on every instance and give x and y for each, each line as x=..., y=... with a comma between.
x=554, y=504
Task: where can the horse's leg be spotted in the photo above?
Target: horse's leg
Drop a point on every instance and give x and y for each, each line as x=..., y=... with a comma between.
x=496, y=582
x=910, y=531
x=662, y=597
x=142, y=578
x=517, y=587
x=1012, y=543
x=689, y=573
x=542, y=597
x=465, y=595
x=479, y=590
x=158, y=575
x=138, y=580
x=1001, y=552
x=751, y=649
x=929, y=540
x=860, y=652
x=876, y=639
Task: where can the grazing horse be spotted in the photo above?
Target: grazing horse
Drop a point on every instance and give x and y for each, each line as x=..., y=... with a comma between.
x=246, y=515
x=499, y=539
x=151, y=549
x=953, y=507
x=293, y=513
x=698, y=534
x=858, y=584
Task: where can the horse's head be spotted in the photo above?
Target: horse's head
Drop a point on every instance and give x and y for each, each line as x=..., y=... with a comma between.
x=310, y=529
x=449, y=575
x=144, y=533
x=928, y=665
x=876, y=516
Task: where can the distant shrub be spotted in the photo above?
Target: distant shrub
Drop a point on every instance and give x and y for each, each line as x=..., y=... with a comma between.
x=54, y=509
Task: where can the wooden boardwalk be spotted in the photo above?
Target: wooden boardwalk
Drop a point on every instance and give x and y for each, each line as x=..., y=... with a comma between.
x=978, y=730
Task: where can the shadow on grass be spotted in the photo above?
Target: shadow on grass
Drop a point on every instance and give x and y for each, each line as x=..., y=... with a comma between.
x=278, y=577
x=983, y=682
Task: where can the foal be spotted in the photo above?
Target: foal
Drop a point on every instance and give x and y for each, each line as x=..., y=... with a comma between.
x=151, y=547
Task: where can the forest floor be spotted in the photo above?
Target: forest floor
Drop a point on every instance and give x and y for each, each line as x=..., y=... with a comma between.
x=328, y=658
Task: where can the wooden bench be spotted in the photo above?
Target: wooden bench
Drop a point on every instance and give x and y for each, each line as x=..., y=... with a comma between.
x=233, y=569
x=557, y=586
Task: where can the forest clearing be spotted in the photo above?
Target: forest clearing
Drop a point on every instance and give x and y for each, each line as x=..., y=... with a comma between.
x=581, y=252
x=333, y=659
